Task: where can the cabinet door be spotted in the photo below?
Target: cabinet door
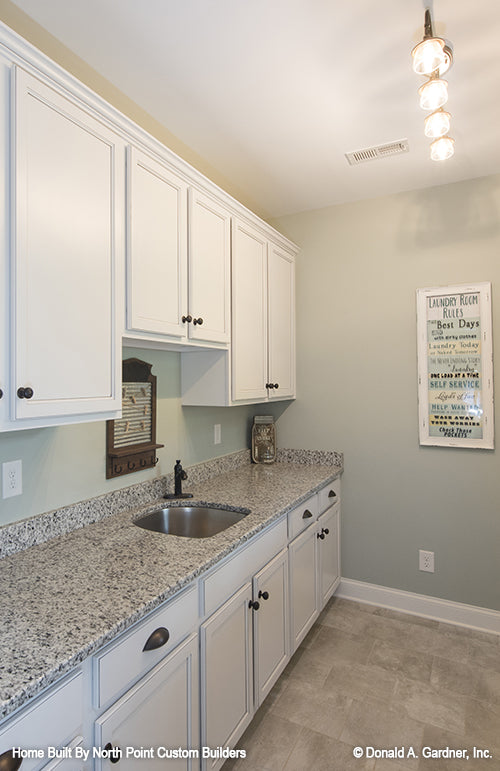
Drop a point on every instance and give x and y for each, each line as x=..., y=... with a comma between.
x=4, y=239
x=156, y=247
x=303, y=584
x=270, y=625
x=50, y=721
x=67, y=238
x=208, y=269
x=226, y=662
x=71, y=757
x=249, y=314
x=328, y=557
x=281, y=333
x=161, y=711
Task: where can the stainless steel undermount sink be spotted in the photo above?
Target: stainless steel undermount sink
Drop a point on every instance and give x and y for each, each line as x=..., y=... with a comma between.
x=191, y=521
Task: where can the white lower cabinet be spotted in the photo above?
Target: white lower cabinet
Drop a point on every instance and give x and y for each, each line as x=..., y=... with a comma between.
x=303, y=558
x=328, y=554
x=270, y=625
x=179, y=688
x=53, y=722
x=244, y=649
x=71, y=757
x=226, y=665
x=244, y=645
x=155, y=717
x=314, y=559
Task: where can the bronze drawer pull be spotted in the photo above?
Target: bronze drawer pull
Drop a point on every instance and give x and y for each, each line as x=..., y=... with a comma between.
x=156, y=639
x=8, y=762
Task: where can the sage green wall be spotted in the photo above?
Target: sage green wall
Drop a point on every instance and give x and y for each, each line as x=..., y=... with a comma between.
x=357, y=273
x=67, y=464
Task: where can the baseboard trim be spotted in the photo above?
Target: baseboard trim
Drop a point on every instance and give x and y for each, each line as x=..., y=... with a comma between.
x=471, y=616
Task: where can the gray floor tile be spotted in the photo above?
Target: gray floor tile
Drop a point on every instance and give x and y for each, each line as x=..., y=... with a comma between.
x=485, y=653
x=482, y=724
x=316, y=752
x=269, y=744
x=430, y=704
x=391, y=630
x=313, y=708
x=308, y=667
x=407, y=617
x=488, y=686
x=407, y=663
x=440, y=642
x=372, y=677
x=361, y=681
x=373, y=724
x=332, y=644
x=458, y=676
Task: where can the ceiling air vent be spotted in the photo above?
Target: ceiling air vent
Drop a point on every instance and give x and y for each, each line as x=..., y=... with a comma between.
x=380, y=151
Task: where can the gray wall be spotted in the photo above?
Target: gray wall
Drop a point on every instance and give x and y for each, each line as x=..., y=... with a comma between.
x=67, y=464
x=358, y=270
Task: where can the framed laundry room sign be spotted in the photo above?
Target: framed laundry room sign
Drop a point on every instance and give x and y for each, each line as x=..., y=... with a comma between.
x=455, y=366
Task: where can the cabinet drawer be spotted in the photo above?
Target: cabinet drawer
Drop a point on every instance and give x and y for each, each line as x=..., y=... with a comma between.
x=329, y=495
x=302, y=516
x=228, y=578
x=122, y=662
x=52, y=720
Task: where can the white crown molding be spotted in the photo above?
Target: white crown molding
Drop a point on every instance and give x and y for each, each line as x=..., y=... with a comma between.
x=446, y=611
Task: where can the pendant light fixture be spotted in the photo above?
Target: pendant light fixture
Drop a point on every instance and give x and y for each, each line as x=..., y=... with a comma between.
x=437, y=124
x=442, y=149
x=433, y=94
x=432, y=54
x=432, y=57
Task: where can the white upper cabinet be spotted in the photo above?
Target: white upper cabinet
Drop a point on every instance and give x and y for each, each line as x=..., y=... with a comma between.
x=281, y=323
x=67, y=236
x=156, y=247
x=178, y=257
x=263, y=339
x=107, y=237
x=209, y=249
x=260, y=365
x=249, y=309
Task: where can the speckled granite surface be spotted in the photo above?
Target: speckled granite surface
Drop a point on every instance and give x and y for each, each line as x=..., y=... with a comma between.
x=36, y=530
x=65, y=598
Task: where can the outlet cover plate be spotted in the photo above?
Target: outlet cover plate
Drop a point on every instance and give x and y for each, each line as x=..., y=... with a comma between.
x=426, y=561
x=12, y=478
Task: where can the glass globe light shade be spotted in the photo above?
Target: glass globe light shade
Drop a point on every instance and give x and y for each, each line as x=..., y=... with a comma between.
x=429, y=56
x=442, y=149
x=433, y=94
x=437, y=124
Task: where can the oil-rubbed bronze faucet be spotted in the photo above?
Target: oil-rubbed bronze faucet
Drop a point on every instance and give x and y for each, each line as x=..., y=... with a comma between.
x=179, y=476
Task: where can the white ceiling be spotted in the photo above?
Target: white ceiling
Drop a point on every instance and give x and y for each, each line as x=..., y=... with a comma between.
x=272, y=93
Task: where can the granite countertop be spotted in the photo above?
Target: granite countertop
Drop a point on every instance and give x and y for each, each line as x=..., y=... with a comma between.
x=65, y=598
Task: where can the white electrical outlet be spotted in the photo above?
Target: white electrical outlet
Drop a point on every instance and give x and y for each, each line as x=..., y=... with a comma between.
x=426, y=561
x=12, y=478
x=217, y=433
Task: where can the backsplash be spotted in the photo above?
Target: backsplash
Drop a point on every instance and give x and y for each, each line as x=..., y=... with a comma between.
x=21, y=535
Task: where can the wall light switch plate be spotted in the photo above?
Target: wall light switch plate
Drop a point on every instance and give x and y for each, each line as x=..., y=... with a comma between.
x=12, y=478
x=217, y=433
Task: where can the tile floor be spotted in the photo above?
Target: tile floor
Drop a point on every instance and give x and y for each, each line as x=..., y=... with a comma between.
x=371, y=677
